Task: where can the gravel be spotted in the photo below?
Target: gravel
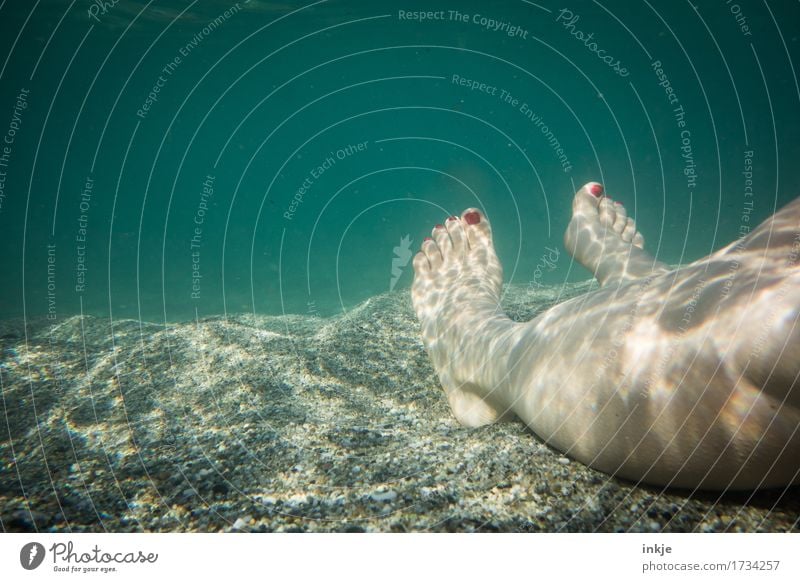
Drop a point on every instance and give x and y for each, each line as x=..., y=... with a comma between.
x=296, y=423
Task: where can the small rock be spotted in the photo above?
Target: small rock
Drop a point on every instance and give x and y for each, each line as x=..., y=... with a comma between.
x=220, y=488
x=385, y=496
x=22, y=519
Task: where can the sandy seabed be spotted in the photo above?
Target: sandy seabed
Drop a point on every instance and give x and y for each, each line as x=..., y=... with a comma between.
x=296, y=423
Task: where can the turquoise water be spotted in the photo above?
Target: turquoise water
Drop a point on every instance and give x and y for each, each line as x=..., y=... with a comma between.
x=169, y=160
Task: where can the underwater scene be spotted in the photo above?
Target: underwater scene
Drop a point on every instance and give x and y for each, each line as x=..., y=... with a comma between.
x=215, y=314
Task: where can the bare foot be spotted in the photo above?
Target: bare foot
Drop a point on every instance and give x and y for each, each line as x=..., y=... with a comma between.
x=456, y=294
x=603, y=238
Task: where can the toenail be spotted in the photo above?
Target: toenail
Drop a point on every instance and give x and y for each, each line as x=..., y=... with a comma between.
x=426, y=238
x=452, y=218
x=596, y=189
x=438, y=226
x=472, y=217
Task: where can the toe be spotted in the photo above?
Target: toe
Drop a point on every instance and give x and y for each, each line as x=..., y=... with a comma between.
x=638, y=240
x=594, y=188
x=588, y=197
x=629, y=231
x=593, y=191
x=431, y=250
x=477, y=228
x=458, y=237
x=442, y=240
x=608, y=213
x=422, y=265
x=622, y=218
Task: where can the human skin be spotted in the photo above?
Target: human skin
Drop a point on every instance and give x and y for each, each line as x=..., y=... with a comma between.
x=681, y=377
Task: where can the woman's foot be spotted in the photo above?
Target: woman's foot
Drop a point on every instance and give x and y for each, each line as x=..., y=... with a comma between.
x=603, y=238
x=456, y=294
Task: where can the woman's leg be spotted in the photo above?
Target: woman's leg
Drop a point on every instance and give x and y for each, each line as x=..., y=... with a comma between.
x=645, y=378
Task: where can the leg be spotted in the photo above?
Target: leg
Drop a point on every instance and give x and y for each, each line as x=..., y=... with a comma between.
x=758, y=277
x=646, y=380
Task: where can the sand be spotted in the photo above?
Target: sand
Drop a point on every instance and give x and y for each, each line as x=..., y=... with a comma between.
x=296, y=423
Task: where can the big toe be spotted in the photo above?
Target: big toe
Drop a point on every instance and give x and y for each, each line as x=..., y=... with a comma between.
x=477, y=228
x=588, y=197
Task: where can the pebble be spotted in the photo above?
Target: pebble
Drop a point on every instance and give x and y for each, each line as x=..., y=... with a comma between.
x=385, y=496
x=447, y=474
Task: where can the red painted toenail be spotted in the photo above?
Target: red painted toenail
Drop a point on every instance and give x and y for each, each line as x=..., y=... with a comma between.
x=596, y=189
x=438, y=226
x=472, y=217
x=426, y=238
x=452, y=218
